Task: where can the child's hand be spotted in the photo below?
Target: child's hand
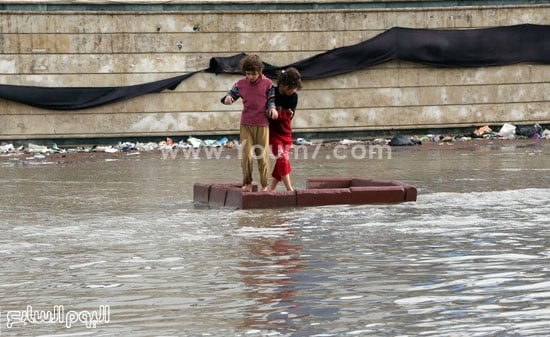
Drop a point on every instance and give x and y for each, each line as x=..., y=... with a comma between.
x=228, y=100
x=273, y=114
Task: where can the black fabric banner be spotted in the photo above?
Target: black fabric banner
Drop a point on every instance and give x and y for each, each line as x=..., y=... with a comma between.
x=74, y=98
x=440, y=48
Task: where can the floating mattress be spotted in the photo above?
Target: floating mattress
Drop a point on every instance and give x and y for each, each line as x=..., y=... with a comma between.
x=318, y=192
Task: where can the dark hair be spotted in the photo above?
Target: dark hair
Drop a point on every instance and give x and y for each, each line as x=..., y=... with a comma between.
x=290, y=77
x=251, y=63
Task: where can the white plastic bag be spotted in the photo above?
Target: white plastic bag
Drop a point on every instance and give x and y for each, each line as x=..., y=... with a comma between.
x=507, y=131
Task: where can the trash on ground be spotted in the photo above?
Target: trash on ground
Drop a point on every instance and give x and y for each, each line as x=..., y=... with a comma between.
x=507, y=131
x=302, y=141
x=482, y=131
x=33, y=148
x=40, y=152
x=349, y=142
x=401, y=140
x=534, y=131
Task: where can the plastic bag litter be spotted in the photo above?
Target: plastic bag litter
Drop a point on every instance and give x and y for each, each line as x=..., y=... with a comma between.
x=211, y=143
x=34, y=148
x=507, y=131
x=110, y=149
x=101, y=148
x=429, y=138
x=483, y=130
x=126, y=146
x=56, y=149
x=529, y=131
x=7, y=148
x=223, y=141
x=182, y=144
x=302, y=141
x=194, y=142
x=146, y=147
x=380, y=141
x=401, y=140
x=349, y=142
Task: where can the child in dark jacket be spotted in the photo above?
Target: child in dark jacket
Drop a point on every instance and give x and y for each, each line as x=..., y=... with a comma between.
x=280, y=129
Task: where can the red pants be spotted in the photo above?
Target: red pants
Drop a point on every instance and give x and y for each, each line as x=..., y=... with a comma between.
x=281, y=152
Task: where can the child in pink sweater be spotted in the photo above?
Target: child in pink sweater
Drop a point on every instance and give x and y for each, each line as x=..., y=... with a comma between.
x=257, y=93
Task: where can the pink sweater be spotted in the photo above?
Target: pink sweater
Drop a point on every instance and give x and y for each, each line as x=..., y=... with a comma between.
x=257, y=98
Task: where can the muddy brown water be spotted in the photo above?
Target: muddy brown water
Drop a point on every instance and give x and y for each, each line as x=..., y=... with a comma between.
x=469, y=258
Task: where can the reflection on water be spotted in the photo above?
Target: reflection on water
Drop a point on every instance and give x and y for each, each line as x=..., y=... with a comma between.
x=469, y=258
x=266, y=271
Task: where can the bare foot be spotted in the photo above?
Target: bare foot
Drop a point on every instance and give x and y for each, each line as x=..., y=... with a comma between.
x=247, y=188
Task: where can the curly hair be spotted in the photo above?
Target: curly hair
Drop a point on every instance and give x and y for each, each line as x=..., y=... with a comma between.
x=290, y=77
x=251, y=63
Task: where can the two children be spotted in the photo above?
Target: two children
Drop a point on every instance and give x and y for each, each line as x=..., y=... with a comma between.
x=261, y=101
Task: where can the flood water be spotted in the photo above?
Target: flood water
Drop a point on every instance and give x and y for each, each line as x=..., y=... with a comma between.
x=122, y=239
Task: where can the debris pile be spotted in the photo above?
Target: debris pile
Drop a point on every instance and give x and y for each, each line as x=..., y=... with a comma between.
x=507, y=131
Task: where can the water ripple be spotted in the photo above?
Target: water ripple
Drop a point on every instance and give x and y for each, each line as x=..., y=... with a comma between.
x=469, y=258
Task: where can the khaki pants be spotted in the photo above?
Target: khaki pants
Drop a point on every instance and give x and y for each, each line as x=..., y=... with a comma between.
x=255, y=144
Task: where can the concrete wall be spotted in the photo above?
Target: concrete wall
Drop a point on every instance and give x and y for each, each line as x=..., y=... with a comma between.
x=114, y=48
